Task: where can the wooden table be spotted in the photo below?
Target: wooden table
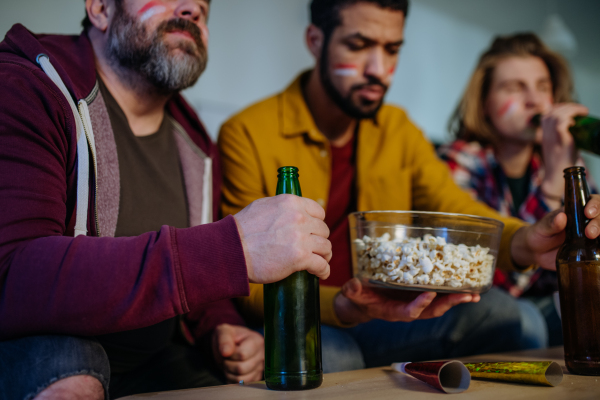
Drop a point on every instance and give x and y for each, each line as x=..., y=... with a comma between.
x=383, y=383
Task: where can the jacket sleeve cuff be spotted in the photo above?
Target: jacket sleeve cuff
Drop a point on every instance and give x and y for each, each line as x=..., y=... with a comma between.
x=328, y=315
x=209, y=263
x=505, y=261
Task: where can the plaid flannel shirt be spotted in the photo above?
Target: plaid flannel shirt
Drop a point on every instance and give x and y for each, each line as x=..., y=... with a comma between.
x=476, y=170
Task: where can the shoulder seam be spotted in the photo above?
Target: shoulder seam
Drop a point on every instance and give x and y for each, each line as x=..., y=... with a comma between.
x=53, y=90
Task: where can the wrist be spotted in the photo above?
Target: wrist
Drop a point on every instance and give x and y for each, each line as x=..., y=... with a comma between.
x=553, y=192
x=520, y=254
x=345, y=310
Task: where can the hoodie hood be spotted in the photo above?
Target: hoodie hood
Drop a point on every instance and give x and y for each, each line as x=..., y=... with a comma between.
x=78, y=73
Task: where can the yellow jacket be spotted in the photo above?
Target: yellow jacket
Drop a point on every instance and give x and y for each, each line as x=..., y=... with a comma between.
x=397, y=169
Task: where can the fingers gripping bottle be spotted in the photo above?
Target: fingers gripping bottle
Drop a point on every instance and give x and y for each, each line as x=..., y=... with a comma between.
x=292, y=320
x=585, y=131
x=578, y=267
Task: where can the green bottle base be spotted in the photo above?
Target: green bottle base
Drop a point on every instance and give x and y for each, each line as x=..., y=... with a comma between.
x=299, y=381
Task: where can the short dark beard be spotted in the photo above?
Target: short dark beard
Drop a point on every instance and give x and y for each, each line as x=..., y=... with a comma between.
x=146, y=55
x=346, y=104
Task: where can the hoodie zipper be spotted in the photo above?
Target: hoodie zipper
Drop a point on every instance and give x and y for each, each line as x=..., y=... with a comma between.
x=87, y=135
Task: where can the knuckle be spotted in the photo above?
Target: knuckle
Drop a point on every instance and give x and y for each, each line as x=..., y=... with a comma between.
x=297, y=217
x=413, y=314
x=295, y=237
x=236, y=369
x=297, y=254
x=290, y=200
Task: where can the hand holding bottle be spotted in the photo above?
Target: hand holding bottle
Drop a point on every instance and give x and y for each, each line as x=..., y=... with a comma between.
x=558, y=146
x=282, y=235
x=538, y=243
x=357, y=304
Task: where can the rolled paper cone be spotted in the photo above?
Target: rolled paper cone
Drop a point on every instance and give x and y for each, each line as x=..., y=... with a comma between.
x=447, y=376
x=547, y=373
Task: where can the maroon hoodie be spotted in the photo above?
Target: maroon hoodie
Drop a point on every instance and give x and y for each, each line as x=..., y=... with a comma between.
x=54, y=283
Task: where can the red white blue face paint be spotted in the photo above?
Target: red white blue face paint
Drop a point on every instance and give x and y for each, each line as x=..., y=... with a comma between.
x=391, y=73
x=151, y=9
x=345, y=70
x=508, y=109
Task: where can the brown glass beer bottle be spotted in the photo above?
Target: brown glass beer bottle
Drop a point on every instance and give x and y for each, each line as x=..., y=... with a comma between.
x=578, y=267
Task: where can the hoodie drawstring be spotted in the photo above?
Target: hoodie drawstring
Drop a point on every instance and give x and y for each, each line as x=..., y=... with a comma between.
x=85, y=141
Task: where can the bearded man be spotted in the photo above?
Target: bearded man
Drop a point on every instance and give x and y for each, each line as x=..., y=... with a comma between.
x=111, y=264
x=355, y=153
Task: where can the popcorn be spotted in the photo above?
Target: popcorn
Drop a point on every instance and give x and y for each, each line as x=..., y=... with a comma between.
x=424, y=261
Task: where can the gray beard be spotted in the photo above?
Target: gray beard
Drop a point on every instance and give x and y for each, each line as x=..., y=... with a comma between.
x=130, y=47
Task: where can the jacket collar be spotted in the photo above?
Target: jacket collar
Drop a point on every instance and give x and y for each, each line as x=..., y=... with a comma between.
x=296, y=117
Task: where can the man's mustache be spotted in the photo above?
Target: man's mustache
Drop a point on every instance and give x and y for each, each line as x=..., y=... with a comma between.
x=371, y=82
x=182, y=25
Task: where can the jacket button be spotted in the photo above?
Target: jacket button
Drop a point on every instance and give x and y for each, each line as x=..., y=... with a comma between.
x=323, y=153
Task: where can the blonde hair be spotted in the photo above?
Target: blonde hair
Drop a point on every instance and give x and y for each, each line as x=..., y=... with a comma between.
x=469, y=122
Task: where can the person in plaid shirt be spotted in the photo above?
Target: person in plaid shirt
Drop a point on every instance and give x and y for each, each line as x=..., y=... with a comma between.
x=498, y=155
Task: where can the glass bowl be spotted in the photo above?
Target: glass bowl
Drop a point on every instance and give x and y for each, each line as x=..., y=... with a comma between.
x=424, y=251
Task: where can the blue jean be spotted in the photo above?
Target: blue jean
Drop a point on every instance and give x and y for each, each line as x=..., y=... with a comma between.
x=31, y=364
x=499, y=322
x=545, y=304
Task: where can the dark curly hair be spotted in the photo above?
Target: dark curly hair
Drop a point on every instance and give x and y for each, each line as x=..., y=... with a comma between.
x=325, y=14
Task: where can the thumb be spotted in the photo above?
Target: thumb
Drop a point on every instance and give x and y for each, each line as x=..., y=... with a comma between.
x=352, y=288
x=555, y=223
x=226, y=341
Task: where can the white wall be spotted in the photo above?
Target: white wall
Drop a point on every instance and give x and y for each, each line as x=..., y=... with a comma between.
x=257, y=47
x=437, y=59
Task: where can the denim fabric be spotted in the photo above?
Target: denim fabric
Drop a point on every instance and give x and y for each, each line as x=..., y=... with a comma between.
x=546, y=306
x=497, y=323
x=29, y=365
x=340, y=351
x=533, y=325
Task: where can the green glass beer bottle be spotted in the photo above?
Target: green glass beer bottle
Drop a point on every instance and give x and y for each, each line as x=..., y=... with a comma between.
x=578, y=268
x=585, y=131
x=292, y=320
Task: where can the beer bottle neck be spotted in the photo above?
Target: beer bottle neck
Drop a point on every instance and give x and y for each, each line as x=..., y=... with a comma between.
x=576, y=197
x=287, y=181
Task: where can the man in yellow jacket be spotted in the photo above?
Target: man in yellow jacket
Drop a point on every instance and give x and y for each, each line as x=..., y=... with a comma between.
x=355, y=153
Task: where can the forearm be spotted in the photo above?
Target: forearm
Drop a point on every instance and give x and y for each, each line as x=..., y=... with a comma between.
x=91, y=286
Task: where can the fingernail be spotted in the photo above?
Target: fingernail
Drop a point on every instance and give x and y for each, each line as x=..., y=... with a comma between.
x=594, y=231
x=350, y=290
x=226, y=349
x=592, y=211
